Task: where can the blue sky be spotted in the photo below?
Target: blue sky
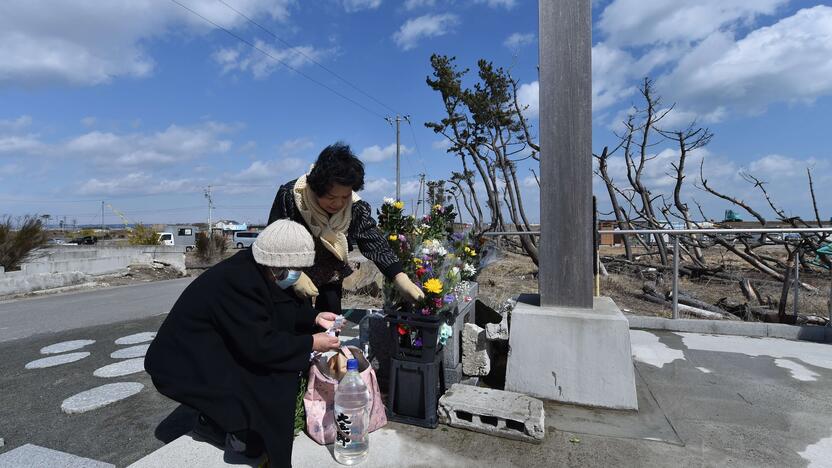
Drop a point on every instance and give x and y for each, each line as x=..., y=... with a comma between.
x=142, y=104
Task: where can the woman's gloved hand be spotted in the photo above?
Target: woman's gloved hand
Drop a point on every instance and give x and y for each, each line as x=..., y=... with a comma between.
x=409, y=290
x=304, y=287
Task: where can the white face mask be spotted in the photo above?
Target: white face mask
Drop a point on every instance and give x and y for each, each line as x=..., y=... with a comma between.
x=290, y=279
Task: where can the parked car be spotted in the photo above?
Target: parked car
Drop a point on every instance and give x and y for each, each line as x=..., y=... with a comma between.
x=165, y=238
x=85, y=240
x=243, y=239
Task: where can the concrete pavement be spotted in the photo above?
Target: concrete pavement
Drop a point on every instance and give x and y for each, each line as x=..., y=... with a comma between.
x=21, y=318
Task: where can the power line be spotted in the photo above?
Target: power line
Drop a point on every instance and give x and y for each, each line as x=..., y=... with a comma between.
x=297, y=50
x=266, y=53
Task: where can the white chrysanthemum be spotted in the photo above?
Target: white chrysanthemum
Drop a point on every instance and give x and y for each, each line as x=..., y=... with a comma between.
x=389, y=201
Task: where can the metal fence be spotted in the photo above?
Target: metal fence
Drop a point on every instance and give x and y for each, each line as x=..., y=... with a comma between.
x=676, y=233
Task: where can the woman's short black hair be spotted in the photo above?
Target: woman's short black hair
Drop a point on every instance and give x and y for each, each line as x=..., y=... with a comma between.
x=336, y=165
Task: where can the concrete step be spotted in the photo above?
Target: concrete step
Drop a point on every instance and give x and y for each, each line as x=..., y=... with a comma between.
x=30, y=455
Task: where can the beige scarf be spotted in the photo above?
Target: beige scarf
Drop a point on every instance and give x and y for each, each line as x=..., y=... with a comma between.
x=331, y=229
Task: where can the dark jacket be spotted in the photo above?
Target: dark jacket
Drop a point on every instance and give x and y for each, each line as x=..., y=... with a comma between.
x=232, y=347
x=363, y=231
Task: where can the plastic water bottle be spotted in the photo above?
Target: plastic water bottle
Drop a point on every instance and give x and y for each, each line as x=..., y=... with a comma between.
x=352, y=417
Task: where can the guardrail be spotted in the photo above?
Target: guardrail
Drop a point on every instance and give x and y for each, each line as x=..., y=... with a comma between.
x=675, y=233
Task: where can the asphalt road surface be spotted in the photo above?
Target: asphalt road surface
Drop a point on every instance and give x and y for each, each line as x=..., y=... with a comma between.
x=23, y=318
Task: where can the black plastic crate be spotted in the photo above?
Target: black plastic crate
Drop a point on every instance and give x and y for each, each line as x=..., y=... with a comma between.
x=415, y=388
x=428, y=331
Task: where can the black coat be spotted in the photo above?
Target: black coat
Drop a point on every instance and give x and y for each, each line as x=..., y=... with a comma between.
x=232, y=348
x=363, y=231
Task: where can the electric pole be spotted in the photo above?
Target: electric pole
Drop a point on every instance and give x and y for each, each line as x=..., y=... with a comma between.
x=398, y=120
x=102, y=215
x=210, y=234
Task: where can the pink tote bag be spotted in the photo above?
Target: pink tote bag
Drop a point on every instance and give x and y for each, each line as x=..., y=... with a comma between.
x=319, y=399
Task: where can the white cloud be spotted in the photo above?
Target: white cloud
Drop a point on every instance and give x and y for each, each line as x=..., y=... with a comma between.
x=636, y=22
x=137, y=183
x=15, y=125
x=517, y=40
x=88, y=43
x=172, y=145
x=507, y=4
x=789, y=61
x=384, y=187
x=414, y=4
x=270, y=171
x=245, y=59
x=376, y=153
x=25, y=144
x=352, y=6
x=528, y=95
x=442, y=144
x=296, y=146
x=426, y=26
x=88, y=121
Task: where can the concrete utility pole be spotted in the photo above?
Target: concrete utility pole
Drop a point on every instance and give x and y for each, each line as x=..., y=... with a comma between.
x=102, y=215
x=565, y=345
x=398, y=120
x=210, y=233
x=566, y=153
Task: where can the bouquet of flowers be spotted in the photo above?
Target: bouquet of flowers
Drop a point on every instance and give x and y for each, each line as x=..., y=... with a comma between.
x=436, y=259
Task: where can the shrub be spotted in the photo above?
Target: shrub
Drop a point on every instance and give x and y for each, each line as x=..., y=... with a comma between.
x=207, y=249
x=143, y=235
x=17, y=246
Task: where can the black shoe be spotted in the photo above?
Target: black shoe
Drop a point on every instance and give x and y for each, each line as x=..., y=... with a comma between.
x=248, y=443
x=209, y=431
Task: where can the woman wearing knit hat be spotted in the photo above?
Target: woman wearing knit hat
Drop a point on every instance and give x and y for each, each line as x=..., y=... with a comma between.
x=234, y=343
x=326, y=203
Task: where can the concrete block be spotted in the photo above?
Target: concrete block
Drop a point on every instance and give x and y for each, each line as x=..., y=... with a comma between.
x=572, y=355
x=465, y=313
x=476, y=352
x=497, y=331
x=495, y=412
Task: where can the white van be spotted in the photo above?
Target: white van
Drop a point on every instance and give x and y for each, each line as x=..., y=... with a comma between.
x=165, y=238
x=243, y=239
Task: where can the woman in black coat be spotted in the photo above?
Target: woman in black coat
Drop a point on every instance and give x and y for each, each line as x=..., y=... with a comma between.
x=326, y=203
x=235, y=341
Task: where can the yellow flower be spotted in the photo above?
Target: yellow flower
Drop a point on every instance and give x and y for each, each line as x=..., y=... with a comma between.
x=433, y=285
x=417, y=261
x=393, y=237
x=399, y=205
x=437, y=207
x=472, y=253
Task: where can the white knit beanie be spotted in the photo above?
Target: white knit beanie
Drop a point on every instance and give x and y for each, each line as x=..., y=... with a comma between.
x=284, y=243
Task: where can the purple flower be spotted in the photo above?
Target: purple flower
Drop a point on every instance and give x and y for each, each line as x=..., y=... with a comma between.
x=450, y=298
x=438, y=302
x=417, y=343
x=426, y=311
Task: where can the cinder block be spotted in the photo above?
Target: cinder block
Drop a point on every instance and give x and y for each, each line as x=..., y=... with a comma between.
x=476, y=352
x=497, y=331
x=495, y=412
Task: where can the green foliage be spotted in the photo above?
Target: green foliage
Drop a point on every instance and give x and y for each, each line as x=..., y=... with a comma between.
x=209, y=248
x=439, y=224
x=17, y=246
x=143, y=235
x=300, y=413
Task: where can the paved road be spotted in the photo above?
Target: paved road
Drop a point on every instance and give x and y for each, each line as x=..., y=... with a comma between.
x=33, y=316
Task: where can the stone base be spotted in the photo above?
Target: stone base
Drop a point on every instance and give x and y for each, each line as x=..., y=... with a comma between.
x=495, y=412
x=572, y=355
